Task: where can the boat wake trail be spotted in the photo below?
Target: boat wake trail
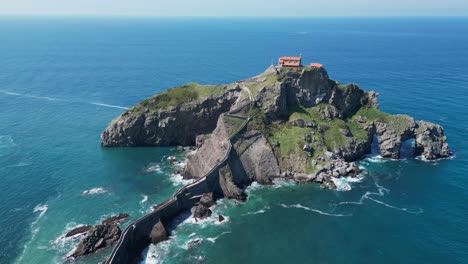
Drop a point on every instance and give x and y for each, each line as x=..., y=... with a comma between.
x=61, y=100
x=312, y=210
x=381, y=191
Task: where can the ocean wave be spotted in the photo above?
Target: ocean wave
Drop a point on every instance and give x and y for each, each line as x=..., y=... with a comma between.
x=42, y=208
x=344, y=183
x=94, y=191
x=178, y=180
x=435, y=161
x=261, y=211
x=144, y=199
x=299, y=206
x=154, y=254
x=278, y=183
x=154, y=168
x=253, y=187
x=213, y=239
x=66, y=245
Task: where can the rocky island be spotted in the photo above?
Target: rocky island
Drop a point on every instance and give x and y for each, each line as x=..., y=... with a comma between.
x=287, y=122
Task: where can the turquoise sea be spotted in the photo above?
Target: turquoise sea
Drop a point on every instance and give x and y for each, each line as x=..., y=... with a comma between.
x=63, y=79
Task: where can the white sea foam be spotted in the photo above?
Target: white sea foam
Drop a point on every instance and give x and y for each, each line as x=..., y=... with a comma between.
x=261, y=211
x=299, y=206
x=109, y=105
x=94, y=191
x=381, y=191
x=144, y=199
x=178, y=180
x=42, y=209
x=213, y=239
x=212, y=220
x=154, y=254
x=154, y=168
x=377, y=159
x=66, y=245
x=422, y=158
x=253, y=187
x=344, y=183
x=278, y=183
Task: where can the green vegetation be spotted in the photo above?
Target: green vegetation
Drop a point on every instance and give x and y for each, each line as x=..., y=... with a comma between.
x=397, y=122
x=233, y=124
x=261, y=81
x=178, y=96
x=372, y=114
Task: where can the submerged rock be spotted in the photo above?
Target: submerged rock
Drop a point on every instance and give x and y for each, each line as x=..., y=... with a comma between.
x=220, y=218
x=115, y=218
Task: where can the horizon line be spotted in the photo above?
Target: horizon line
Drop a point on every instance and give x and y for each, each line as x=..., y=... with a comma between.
x=230, y=16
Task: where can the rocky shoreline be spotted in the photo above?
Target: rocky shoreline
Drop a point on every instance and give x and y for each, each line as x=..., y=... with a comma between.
x=301, y=125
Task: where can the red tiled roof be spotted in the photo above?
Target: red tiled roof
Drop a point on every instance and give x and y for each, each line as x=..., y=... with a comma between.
x=315, y=64
x=290, y=58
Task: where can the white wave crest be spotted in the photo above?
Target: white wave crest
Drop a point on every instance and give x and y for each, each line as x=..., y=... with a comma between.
x=178, y=180
x=42, y=209
x=154, y=168
x=422, y=158
x=278, y=183
x=213, y=239
x=93, y=191
x=299, y=206
x=261, y=211
x=144, y=199
x=344, y=183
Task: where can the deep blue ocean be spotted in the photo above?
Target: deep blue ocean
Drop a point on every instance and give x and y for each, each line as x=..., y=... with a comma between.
x=62, y=80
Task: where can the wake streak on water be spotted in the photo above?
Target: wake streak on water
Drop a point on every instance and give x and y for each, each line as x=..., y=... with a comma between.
x=312, y=210
x=381, y=192
x=62, y=100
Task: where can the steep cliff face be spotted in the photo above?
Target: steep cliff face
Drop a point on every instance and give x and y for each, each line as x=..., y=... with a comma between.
x=145, y=125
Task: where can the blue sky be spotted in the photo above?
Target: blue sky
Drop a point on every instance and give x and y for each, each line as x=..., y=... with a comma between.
x=237, y=7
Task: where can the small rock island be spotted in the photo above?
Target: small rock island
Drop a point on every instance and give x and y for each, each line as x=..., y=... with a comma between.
x=291, y=121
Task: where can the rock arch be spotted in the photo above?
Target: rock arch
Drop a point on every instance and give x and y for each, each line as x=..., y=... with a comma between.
x=430, y=141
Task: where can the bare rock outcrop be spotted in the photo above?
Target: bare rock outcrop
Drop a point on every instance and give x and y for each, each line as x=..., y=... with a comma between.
x=430, y=141
x=98, y=237
x=257, y=158
x=211, y=150
x=158, y=233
